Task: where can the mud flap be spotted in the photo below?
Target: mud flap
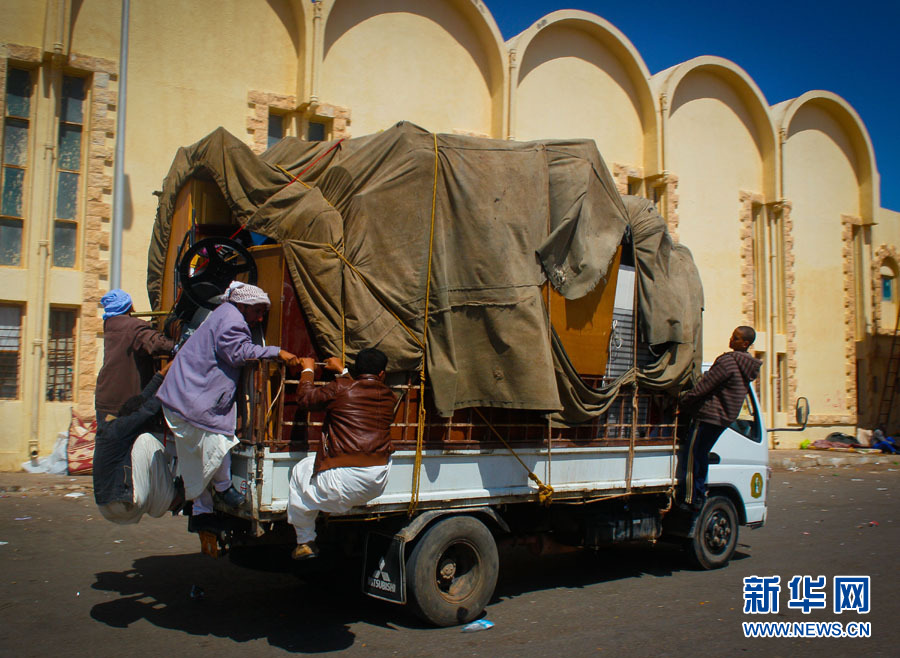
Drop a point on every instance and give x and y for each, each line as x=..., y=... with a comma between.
x=384, y=569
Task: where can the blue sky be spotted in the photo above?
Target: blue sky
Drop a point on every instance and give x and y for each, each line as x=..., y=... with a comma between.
x=849, y=47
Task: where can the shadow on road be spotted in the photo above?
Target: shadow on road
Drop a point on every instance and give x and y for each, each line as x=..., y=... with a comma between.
x=242, y=605
x=314, y=615
x=523, y=572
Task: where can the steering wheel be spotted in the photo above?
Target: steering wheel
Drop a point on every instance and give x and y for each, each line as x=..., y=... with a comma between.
x=210, y=265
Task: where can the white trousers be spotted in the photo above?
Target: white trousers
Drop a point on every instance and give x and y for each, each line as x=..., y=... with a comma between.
x=203, y=457
x=151, y=476
x=220, y=480
x=334, y=491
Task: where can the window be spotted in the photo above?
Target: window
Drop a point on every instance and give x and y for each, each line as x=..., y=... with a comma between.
x=61, y=354
x=635, y=187
x=889, y=306
x=16, y=131
x=887, y=288
x=68, y=164
x=760, y=266
x=276, y=129
x=780, y=379
x=10, y=350
x=316, y=131
x=859, y=280
x=747, y=423
x=779, y=290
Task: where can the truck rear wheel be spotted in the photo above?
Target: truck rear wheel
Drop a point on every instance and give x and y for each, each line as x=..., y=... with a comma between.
x=452, y=571
x=715, y=536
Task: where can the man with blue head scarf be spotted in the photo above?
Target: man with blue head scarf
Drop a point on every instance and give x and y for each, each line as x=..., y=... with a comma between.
x=115, y=302
x=129, y=345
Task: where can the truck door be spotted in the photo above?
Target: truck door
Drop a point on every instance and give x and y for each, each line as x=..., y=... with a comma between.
x=739, y=460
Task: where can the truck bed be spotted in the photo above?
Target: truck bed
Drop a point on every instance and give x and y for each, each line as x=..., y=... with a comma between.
x=467, y=459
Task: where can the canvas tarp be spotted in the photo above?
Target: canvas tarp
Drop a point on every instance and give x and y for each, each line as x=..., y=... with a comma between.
x=491, y=219
x=670, y=302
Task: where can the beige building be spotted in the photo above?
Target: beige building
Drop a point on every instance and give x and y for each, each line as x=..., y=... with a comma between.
x=779, y=204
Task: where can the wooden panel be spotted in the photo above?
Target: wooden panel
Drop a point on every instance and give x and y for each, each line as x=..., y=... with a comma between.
x=181, y=222
x=270, y=275
x=202, y=200
x=210, y=206
x=584, y=325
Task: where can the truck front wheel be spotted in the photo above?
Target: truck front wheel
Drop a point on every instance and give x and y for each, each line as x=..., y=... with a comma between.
x=452, y=571
x=715, y=535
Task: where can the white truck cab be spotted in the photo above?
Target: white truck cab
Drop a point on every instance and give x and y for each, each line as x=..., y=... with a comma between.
x=739, y=461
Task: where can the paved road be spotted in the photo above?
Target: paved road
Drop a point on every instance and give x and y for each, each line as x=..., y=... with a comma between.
x=74, y=584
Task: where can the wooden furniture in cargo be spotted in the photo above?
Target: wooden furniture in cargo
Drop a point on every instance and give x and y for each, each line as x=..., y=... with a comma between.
x=583, y=326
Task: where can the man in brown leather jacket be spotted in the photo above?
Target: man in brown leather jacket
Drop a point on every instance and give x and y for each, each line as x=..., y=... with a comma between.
x=352, y=462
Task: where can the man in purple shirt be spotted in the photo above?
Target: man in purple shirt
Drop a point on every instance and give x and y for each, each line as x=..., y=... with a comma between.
x=198, y=394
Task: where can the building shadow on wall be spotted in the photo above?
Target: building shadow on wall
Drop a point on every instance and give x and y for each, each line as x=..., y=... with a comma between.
x=347, y=16
x=562, y=41
x=702, y=85
x=292, y=24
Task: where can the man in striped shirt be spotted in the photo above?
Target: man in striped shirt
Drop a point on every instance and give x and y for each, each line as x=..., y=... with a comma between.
x=716, y=402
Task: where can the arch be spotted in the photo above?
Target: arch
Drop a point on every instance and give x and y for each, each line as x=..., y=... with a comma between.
x=668, y=82
x=842, y=112
x=299, y=24
x=621, y=48
x=486, y=50
x=884, y=312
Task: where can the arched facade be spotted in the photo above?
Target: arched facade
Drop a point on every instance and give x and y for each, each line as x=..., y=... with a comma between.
x=856, y=142
x=725, y=176
x=779, y=205
x=446, y=65
x=828, y=172
x=573, y=74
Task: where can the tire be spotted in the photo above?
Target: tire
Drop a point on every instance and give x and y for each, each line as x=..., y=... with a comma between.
x=452, y=571
x=715, y=535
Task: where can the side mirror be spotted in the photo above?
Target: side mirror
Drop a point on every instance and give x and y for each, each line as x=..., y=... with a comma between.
x=802, y=416
x=802, y=412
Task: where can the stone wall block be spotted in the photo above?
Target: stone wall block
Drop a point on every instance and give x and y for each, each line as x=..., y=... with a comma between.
x=23, y=53
x=98, y=208
x=105, y=124
x=325, y=110
x=256, y=97
x=95, y=64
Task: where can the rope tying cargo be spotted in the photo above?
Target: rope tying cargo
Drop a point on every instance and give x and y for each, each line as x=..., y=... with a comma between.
x=545, y=491
x=375, y=294
x=420, y=422
x=310, y=165
x=297, y=177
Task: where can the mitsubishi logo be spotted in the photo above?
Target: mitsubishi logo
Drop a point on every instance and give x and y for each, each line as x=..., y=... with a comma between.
x=380, y=573
x=381, y=580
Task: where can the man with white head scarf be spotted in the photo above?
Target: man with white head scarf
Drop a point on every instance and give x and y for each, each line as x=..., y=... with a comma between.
x=129, y=345
x=198, y=394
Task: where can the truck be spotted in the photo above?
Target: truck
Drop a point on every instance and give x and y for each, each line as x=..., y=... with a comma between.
x=539, y=327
